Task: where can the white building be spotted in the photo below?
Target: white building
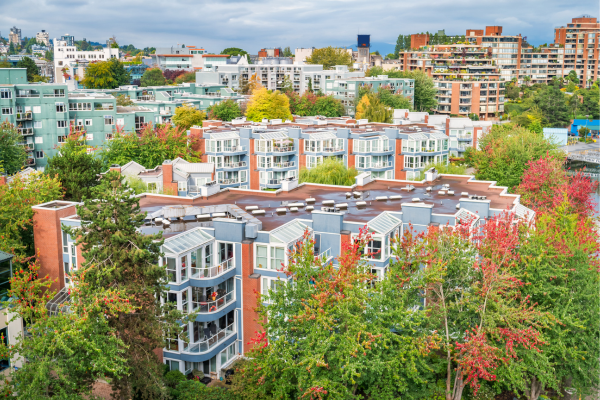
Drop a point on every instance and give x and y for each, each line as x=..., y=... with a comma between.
x=43, y=37
x=70, y=63
x=271, y=72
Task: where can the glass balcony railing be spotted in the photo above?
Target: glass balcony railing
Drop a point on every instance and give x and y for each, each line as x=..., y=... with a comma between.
x=283, y=149
x=209, y=342
x=206, y=307
x=332, y=149
x=235, y=164
x=203, y=273
x=287, y=164
x=233, y=149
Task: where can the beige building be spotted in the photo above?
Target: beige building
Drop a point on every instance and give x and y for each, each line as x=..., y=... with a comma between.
x=14, y=36
x=43, y=37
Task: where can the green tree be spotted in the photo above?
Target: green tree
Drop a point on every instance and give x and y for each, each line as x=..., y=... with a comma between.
x=330, y=172
x=12, y=152
x=124, y=101
x=32, y=69
x=371, y=108
x=99, y=75
x=584, y=131
x=5, y=64
x=572, y=77
x=286, y=85
x=553, y=105
x=270, y=105
x=589, y=104
x=43, y=79
x=287, y=52
x=49, y=55
x=399, y=46
x=16, y=215
x=118, y=255
x=151, y=147
x=119, y=73
x=76, y=169
x=328, y=107
x=503, y=154
x=328, y=334
x=225, y=110
x=234, y=51
x=187, y=116
x=11, y=49
x=425, y=92
x=330, y=57
x=153, y=77
x=394, y=101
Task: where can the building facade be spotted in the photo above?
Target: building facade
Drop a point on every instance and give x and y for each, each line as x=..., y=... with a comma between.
x=70, y=64
x=43, y=37
x=221, y=250
x=189, y=58
x=14, y=37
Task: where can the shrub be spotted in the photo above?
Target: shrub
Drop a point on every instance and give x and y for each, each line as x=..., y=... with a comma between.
x=331, y=172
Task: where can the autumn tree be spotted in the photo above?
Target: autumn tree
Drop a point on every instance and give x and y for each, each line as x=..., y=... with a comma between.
x=254, y=84
x=124, y=101
x=118, y=255
x=336, y=332
x=67, y=349
x=470, y=280
x=98, y=75
x=151, y=147
x=12, y=152
x=187, y=77
x=16, y=215
x=270, y=105
x=371, y=108
x=330, y=57
x=187, y=116
x=75, y=167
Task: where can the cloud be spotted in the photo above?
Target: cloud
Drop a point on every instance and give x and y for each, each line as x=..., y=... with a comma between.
x=253, y=24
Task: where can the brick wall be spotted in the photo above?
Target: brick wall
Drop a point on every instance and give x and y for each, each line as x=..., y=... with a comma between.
x=351, y=156
x=251, y=288
x=399, y=161
x=254, y=173
x=168, y=183
x=47, y=236
x=301, y=156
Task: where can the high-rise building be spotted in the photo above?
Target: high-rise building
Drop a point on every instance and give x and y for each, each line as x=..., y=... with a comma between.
x=14, y=36
x=43, y=37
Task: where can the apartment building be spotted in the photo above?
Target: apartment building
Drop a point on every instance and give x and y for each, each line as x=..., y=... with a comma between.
x=467, y=78
x=44, y=112
x=347, y=90
x=185, y=57
x=14, y=36
x=272, y=71
x=221, y=250
x=43, y=37
x=575, y=48
x=70, y=64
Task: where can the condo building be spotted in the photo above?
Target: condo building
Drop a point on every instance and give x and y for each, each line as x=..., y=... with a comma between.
x=223, y=248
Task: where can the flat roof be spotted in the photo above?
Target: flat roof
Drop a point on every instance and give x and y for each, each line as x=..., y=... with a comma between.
x=268, y=201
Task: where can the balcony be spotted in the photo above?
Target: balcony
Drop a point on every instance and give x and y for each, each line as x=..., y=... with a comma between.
x=28, y=95
x=24, y=116
x=283, y=149
x=381, y=165
x=146, y=98
x=332, y=149
x=26, y=131
x=281, y=165
x=210, y=340
x=29, y=162
x=212, y=272
x=207, y=307
x=234, y=149
x=229, y=181
x=240, y=164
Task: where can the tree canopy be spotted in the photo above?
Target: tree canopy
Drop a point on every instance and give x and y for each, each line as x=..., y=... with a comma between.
x=187, y=116
x=330, y=57
x=153, y=77
x=32, y=69
x=224, y=110
x=310, y=104
x=371, y=108
x=270, y=105
x=330, y=172
x=108, y=74
x=234, y=51
x=12, y=152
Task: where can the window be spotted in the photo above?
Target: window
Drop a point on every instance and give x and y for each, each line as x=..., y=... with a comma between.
x=88, y=122
x=109, y=120
x=5, y=275
x=207, y=256
x=80, y=106
x=227, y=354
x=65, y=242
x=121, y=121
x=7, y=111
x=152, y=187
x=182, y=186
x=67, y=271
x=374, y=247
x=171, y=268
x=60, y=107
x=89, y=136
x=4, y=363
x=277, y=257
x=37, y=124
x=39, y=140
x=261, y=257
x=37, y=109
x=59, y=92
x=184, y=266
x=225, y=251
x=39, y=154
x=62, y=139
x=61, y=124
x=270, y=283
x=5, y=94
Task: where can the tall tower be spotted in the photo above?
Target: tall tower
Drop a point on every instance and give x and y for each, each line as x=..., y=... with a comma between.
x=364, y=50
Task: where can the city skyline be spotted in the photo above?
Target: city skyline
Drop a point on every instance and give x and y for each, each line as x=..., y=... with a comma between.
x=255, y=25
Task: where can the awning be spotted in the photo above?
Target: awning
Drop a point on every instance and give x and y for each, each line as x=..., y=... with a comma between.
x=186, y=241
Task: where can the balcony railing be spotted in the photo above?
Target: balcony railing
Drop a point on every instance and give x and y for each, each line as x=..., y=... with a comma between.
x=205, y=307
x=26, y=95
x=146, y=98
x=284, y=149
x=24, y=116
x=376, y=150
x=332, y=149
x=235, y=164
x=381, y=164
x=203, y=273
x=229, y=181
x=286, y=164
x=209, y=342
x=30, y=161
x=26, y=131
x=233, y=149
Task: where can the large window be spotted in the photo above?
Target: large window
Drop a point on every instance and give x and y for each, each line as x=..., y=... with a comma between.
x=227, y=354
x=5, y=275
x=277, y=257
x=261, y=257
x=374, y=248
x=171, y=265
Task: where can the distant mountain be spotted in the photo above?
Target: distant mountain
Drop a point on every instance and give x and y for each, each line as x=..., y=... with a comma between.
x=383, y=48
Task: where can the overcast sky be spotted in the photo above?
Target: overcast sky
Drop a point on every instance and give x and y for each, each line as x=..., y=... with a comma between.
x=252, y=25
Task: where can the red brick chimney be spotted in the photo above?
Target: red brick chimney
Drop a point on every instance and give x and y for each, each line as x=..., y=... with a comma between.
x=168, y=183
